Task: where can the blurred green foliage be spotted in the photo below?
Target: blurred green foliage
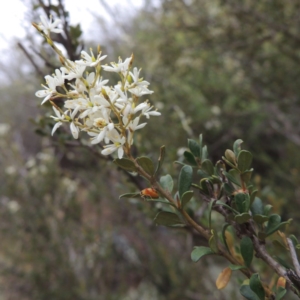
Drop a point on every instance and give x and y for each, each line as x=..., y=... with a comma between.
x=227, y=69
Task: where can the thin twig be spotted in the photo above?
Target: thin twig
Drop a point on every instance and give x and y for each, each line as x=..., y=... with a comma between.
x=294, y=256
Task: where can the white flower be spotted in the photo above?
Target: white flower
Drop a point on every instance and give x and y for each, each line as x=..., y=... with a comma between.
x=90, y=60
x=59, y=77
x=135, y=77
x=147, y=112
x=75, y=72
x=117, y=145
x=120, y=67
x=74, y=129
x=48, y=26
x=140, y=90
x=48, y=91
x=59, y=118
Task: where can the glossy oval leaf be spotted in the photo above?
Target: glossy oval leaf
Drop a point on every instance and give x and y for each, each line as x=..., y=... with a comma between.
x=199, y=252
x=256, y=286
x=168, y=219
x=166, y=182
x=147, y=164
x=247, y=250
x=130, y=195
x=202, y=174
x=236, y=267
x=186, y=197
x=242, y=202
x=280, y=293
x=244, y=160
x=190, y=158
x=260, y=219
x=125, y=164
x=194, y=147
x=273, y=224
x=230, y=156
x=185, y=179
x=246, y=292
x=204, y=153
x=242, y=218
x=233, y=177
x=237, y=146
x=207, y=167
x=223, y=278
x=200, y=145
x=257, y=207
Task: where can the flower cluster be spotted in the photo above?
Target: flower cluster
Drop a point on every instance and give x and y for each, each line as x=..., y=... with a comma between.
x=108, y=114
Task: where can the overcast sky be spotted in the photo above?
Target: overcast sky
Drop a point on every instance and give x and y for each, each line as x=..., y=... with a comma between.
x=13, y=12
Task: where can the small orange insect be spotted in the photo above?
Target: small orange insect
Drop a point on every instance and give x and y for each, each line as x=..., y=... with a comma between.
x=149, y=193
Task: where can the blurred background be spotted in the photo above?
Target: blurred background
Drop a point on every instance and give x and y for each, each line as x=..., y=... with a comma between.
x=228, y=69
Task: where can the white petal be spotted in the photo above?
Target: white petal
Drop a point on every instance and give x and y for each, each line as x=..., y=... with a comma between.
x=74, y=130
x=120, y=152
x=58, y=124
x=109, y=150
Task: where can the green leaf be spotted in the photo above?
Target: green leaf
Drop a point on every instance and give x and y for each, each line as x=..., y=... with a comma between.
x=273, y=224
x=228, y=162
x=168, y=219
x=204, y=154
x=257, y=207
x=200, y=145
x=232, y=177
x=206, y=186
x=237, y=147
x=185, y=179
x=228, y=188
x=256, y=286
x=160, y=201
x=244, y=160
x=202, y=174
x=190, y=158
x=194, y=147
x=207, y=167
x=247, y=250
x=230, y=156
x=242, y=218
x=267, y=209
x=161, y=159
x=130, y=195
x=125, y=164
x=242, y=202
x=294, y=240
x=260, y=219
x=147, y=164
x=186, y=197
x=281, y=293
x=219, y=202
x=199, y=252
x=167, y=183
x=246, y=291
x=236, y=268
